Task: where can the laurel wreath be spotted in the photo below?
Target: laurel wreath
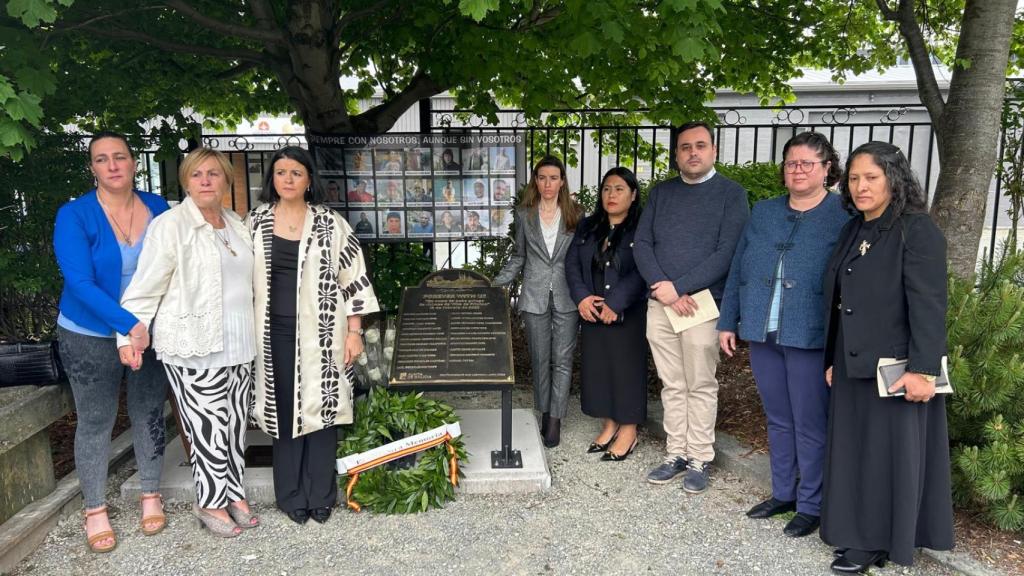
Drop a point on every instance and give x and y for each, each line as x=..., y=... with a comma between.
x=382, y=417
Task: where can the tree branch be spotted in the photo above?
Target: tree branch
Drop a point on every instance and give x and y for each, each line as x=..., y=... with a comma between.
x=352, y=16
x=223, y=53
x=266, y=36
x=927, y=86
x=237, y=70
x=421, y=86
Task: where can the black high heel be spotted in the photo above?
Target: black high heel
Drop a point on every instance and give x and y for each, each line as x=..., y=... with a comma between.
x=844, y=565
x=554, y=432
x=544, y=418
x=595, y=447
x=613, y=457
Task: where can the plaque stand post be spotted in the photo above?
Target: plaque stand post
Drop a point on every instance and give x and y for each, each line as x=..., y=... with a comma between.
x=506, y=457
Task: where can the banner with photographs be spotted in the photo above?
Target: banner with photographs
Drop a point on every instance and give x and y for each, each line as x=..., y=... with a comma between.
x=394, y=187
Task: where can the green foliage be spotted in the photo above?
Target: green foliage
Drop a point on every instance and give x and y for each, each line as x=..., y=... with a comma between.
x=30, y=193
x=382, y=417
x=761, y=180
x=1011, y=166
x=393, y=267
x=985, y=324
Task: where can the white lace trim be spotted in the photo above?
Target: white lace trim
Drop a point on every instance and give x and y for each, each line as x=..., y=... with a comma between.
x=188, y=334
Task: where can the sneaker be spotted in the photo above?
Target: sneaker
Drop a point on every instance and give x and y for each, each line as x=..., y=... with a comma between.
x=668, y=470
x=696, y=479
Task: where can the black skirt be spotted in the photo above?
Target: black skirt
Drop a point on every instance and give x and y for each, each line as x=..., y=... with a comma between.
x=614, y=367
x=887, y=476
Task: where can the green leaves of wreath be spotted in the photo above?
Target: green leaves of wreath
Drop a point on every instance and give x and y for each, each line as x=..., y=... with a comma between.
x=382, y=417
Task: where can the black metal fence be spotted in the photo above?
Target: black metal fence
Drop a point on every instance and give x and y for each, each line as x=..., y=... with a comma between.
x=591, y=141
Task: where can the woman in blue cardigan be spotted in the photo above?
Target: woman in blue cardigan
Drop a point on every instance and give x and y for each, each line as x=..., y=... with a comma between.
x=610, y=296
x=97, y=240
x=773, y=300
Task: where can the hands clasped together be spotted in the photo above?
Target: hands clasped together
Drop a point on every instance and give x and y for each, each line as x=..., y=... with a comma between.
x=593, y=309
x=131, y=355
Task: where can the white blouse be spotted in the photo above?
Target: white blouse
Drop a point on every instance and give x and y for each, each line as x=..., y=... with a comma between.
x=236, y=290
x=550, y=231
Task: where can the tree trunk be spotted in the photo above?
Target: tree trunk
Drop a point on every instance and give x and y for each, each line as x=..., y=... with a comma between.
x=968, y=129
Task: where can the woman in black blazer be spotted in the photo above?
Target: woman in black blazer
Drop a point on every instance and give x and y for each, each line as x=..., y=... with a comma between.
x=610, y=296
x=887, y=475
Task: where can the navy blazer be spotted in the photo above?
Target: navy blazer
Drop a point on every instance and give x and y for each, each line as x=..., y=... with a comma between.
x=623, y=285
x=804, y=241
x=893, y=298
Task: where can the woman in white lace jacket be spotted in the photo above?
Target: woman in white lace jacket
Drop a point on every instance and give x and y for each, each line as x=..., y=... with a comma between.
x=188, y=284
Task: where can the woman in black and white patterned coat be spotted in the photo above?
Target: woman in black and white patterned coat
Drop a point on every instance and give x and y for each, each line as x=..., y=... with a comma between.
x=311, y=290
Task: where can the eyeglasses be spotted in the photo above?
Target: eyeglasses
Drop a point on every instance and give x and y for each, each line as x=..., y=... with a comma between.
x=791, y=166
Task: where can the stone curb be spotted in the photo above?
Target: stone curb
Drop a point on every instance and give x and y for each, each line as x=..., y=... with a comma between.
x=733, y=456
x=26, y=530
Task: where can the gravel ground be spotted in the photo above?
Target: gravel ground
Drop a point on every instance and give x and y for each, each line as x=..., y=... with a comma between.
x=598, y=518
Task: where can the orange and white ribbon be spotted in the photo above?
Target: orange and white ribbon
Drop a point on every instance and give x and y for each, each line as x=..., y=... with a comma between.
x=355, y=464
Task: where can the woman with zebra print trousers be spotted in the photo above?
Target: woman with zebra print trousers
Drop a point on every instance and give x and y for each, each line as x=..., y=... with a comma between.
x=311, y=290
x=203, y=332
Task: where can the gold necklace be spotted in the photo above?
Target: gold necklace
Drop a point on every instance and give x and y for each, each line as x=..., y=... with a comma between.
x=225, y=240
x=131, y=219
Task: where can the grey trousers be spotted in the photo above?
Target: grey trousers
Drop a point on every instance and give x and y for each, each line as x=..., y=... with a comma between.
x=551, y=337
x=95, y=372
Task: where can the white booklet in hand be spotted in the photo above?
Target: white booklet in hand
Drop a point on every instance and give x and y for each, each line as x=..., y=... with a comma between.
x=706, y=310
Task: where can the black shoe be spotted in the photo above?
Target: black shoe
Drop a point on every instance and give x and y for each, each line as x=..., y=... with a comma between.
x=299, y=516
x=595, y=447
x=858, y=561
x=771, y=507
x=544, y=418
x=320, y=515
x=801, y=525
x=839, y=552
x=553, y=436
x=610, y=456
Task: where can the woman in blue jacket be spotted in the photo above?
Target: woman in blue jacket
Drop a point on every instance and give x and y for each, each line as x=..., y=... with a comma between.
x=97, y=240
x=773, y=300
x=610, y=296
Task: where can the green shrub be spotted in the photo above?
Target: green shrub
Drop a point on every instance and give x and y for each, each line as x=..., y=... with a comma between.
x=393, y=267
x=761, y=180
x=985, y=323
x=31, y=191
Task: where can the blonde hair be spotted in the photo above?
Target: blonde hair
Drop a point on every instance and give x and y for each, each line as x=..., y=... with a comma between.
x=196, y=157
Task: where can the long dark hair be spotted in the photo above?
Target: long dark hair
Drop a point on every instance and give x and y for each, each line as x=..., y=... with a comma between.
x=314, y=194
x=907, y=194
x=598, y=225
x=823, y=148
x=571, y=212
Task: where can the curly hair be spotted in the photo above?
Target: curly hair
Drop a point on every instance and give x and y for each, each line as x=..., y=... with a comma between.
x=907, y=194
x=823, y=148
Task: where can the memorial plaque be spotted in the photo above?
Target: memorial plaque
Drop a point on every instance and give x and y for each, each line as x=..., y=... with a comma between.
x=453, y=329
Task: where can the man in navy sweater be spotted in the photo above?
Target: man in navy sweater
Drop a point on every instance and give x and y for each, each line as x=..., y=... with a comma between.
x=684, y=244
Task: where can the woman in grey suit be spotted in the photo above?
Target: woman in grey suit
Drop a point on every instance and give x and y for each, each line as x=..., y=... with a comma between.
x=546, y=218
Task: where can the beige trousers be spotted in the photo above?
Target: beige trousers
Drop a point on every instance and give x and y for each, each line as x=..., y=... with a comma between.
x=686, y=364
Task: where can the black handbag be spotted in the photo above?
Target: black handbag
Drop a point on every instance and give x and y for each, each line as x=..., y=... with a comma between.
x=30, y=364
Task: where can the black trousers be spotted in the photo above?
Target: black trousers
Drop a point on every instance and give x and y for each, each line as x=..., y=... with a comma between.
x=304, y=467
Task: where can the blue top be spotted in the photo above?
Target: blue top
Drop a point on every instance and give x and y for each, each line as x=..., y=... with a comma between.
x=687, y=233
x=90, y=258
x=129, y=262
x=803, y=241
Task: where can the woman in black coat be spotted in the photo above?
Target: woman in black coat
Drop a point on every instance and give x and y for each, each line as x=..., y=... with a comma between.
x=610, y=296
x=887, y=473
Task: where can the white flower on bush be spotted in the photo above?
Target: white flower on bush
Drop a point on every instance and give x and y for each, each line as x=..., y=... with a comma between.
x=362, y=359
x=372, y=336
